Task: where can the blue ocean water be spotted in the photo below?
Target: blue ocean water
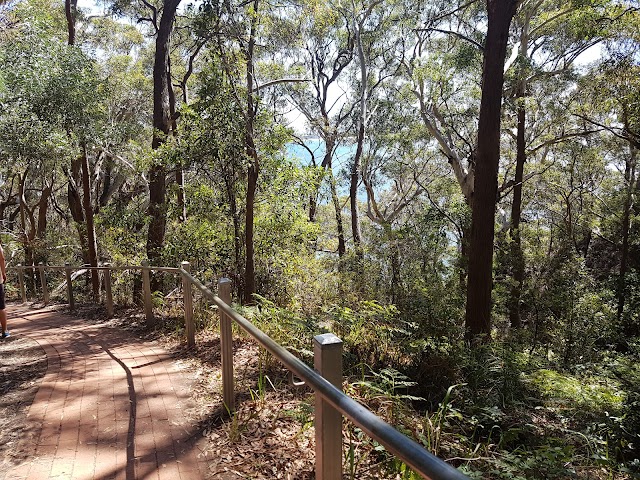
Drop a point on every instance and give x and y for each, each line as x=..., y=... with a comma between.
x=341, y=156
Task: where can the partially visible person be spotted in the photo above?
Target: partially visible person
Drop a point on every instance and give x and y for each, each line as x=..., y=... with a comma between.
x=3, y=280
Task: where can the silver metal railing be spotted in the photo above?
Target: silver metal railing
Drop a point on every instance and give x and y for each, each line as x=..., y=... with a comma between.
x=325, y=380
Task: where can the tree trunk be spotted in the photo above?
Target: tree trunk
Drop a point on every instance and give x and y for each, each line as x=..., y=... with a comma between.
x=463, y=261
x=91, y=231
x=182, y=205
x=249, y=272
x=229, y=178
x=517, y=257
x=70, y=7
x=179, y=175
x=342, y=248
x=629, y=178
x=254, y=167
x=362, y=120
x=157, y=209
x=353, y=193
x=478, y=311
x=75, y=206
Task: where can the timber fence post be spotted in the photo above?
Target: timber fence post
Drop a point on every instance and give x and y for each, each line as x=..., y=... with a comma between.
x=43, y=282
x=146, y=294
x=226, y=346
x=67, y=274
x=23, y=290
x=327, y=361
x=188, y=306
x=108, y=296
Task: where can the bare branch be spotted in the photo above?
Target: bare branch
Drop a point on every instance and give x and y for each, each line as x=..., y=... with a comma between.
x=279, y=81
x=455, y=34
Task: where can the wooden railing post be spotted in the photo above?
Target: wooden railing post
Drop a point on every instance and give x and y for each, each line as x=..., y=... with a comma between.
x=146, y=294
x=67, y=274
x=108, y=296
x=23, y=290
x=188, y=306
x=43, y=282
x=327, y=360
x=226, y=346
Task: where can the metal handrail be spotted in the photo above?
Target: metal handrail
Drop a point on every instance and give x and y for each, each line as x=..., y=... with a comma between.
x=99, y=268
x=409, y=451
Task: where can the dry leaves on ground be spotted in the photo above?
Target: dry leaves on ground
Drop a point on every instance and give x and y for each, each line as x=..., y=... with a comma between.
x=23, y=364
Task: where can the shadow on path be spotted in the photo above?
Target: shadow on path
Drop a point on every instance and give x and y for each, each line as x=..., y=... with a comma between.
x=110, y=405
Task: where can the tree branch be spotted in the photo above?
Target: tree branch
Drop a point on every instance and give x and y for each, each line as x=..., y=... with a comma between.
x=455, y=34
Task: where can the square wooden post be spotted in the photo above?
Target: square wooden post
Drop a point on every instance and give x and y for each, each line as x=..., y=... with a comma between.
x=67, y=274
x=23, y=290
x=188, y=306
x=43, y=282
x=146, y=294
x=327, y=361
x=226, y=346
x=108, y=296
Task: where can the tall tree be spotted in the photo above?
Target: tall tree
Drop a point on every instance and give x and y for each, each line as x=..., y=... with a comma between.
x=328, y=53
x=251, y=153
x=480, y=280
x=162, y=123
x=549, y=40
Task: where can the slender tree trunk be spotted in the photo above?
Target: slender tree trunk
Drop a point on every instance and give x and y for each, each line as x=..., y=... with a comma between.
x=517, y=257
x=157, y=209
x=229, y=179
x=463, y=261
x=254, y=167
x=629, y=178
x=70, y=7
x=480, y=280
x=342, y=248
x=179, y=174
x=250, y=274
x=353, y=193
x=395, y=269
x=91, y=231
x=313, y=205
x=74, y=201
x=362, y=120
x=180, y=198
x=28, y=253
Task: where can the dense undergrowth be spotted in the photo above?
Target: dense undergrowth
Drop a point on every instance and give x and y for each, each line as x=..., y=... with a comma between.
x=503, y=410
x=513, y=408
x=540, y=402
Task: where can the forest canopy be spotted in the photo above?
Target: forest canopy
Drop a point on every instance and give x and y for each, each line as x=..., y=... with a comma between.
x=434, y=180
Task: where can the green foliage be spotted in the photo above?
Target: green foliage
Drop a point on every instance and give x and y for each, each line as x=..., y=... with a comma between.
x=589, y=392
x=286, y=327
x=553, y=399
x=373, y=333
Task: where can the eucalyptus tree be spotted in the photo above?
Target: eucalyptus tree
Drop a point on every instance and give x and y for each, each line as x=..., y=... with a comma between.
x=50, y=109
x=612, y=104
x=549, y=38
x=443, y=66
x=398, y=171
x=158, y=18
x=377, y=59
x=328, y=51
x=485, y=191
x=479, y=179
x=248, y=54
